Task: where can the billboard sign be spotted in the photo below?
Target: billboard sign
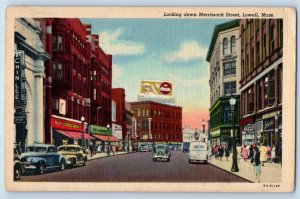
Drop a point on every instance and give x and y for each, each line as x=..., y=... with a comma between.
x=117, y=131
x=164, y=88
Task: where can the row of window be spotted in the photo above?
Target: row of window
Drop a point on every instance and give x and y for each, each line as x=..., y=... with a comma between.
x=156, y=113
x=158, y=126
x=264, y=91
x=166, y=136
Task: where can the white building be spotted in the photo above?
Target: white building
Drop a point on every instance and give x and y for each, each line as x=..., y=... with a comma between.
x=188, y=134
x=29, y=46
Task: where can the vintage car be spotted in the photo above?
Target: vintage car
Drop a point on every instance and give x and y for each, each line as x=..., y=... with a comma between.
x=198, y=152
x=42, y=157
x=19, y=168
x=73, y=154
x=161, y=152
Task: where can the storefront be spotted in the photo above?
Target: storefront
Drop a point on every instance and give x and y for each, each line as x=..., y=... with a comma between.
x=103, y=136
x=67, y=131
x=268, y=134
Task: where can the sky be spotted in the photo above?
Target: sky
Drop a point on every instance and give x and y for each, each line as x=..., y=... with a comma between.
x=165, y=50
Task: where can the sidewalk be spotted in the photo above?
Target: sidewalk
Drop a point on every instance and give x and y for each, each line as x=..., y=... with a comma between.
x=102, y=155
x=270, y=172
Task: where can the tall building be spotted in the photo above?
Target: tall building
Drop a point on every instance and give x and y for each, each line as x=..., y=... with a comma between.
x=261, y=80
x=30, y=56
x=224, y=60
x=157, y=122
x=118, y=96
x=71, y=79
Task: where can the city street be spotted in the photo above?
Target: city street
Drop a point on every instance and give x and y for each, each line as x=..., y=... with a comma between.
x=138, y=167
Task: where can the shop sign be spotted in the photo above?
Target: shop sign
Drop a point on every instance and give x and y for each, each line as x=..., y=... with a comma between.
x=20, y=118
x=269, y=115
x=269, y=124
x=19, y=79
x=215, y=133
x=65, y=125
x=117, y=131
x=249, y=128
x=259, y=126
x=100, y=130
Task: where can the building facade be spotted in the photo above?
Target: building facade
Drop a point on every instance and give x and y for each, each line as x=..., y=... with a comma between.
x=224, y=59
x=30, y=56
x=118, y=96
x=157, y=122
x=261, y=80
x=71, y=80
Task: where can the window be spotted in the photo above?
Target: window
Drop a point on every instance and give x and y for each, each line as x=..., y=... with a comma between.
x=242, y=36
x=229, y=88
x=272, y=39
x=271, y=88
x=280, y=32
x=250, y=101
x=95, y=94
x=57, y=42
x=55, y=104
x=257, y=24
x=233, y=44
x=257, y=53
x=57, y=71
x=264, y=53
x=227, y=113
x=259, y=95
x=229, y=68
x=251, y=59
x=225, y=46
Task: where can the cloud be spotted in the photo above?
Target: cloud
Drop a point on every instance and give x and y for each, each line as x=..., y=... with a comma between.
x=111, y=43
x=186, y=82
x=188, y=50
x=116, y=72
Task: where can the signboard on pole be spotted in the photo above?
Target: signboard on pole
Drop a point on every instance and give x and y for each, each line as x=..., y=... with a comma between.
x=19, y=79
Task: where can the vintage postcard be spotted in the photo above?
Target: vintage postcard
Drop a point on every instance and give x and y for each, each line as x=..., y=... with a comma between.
x=162, y=99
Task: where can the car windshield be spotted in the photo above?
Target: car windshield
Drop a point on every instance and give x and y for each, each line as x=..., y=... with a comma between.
x=198, y=148
x=61, y=148
x=36, y=149
x=160, y=148
x=71, y=149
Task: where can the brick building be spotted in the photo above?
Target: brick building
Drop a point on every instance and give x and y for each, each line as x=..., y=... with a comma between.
x=261, y=80
x=118, y=96
x=157, y=122
x=70, y=80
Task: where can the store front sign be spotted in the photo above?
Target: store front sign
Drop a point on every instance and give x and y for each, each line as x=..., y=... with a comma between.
x=215, y=133
x=249, y=128
x=100, y=130
x=65, y=125
x=117, y=131
x=269, y=124
x=19, y=79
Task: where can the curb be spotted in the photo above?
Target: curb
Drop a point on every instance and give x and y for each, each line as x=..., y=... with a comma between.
x=231, y=172
x=109, y=156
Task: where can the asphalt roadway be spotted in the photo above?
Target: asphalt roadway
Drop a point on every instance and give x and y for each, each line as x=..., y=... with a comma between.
x=138, y=167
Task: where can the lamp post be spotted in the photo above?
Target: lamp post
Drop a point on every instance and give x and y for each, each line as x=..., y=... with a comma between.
x=196, y=135
x=82, y=119
x=234, y=167
x=203, y=125
x=149, y=133
x=108, y=146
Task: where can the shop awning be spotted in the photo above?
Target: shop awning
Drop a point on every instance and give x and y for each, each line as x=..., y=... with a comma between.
x=75, y=135
x=109, y=138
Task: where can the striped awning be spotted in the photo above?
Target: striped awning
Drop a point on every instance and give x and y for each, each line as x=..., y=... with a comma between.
x=75, y=135
x=109, y=138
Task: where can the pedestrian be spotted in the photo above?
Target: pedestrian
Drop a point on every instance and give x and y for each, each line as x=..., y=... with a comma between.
x=221, y=152
x=216, y=151
x=91, y=147
x=245, y=153
x=256, y=163
x=269, y=149
x=263, y=154
x=238, y=151
x=273, y=154
x=251, y=152
x=227, y=152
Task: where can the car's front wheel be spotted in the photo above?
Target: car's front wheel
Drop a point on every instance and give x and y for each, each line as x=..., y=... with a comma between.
x=154, y=159
x=41, y=168
x=190, y=161
x=17, y=173
x=62, y=165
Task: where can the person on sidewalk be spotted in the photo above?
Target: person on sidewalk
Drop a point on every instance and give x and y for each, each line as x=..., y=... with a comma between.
x=238, y=152
x=227, y=152
x=251, y=152
x=216, y=151
x=273, y=154
x=269, y=149
x=256, y=163
x=91, y=146
x=263, y=154
x=245, y=153
x=221, y=152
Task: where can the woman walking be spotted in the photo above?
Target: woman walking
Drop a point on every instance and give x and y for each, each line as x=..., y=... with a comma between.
x=245, y=153
x=227, y=152
x=256, y=163
x=221, y=152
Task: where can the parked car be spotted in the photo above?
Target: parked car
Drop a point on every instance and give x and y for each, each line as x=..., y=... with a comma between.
x=19, y=168
x=42, y=157
x=73, y=154
x=146, y=147
x=162, y=152
x=198, y=152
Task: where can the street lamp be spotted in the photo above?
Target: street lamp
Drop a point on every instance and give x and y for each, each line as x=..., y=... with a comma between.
x=82, y=119
x=234, y=167
x=203, y=124
x=149, y=133
x=108, y=146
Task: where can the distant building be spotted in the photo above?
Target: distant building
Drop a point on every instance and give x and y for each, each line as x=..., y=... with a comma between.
x=157, y=91
x=188, y=134
x=261, y=81
x=224, y=59
x=118, y=96
x=157, y=122
x=30, y=56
